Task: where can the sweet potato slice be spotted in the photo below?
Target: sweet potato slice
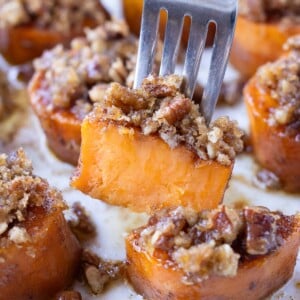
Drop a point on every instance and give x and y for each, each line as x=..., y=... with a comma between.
x=43, y=266
x=62, y=87
x=23, y=43
x=137, y=163
x=61, y=126
x=156, y=277
x=256, y=43
x=39, y=255
x=276, y=147
x=124, y=167
x=29, y=29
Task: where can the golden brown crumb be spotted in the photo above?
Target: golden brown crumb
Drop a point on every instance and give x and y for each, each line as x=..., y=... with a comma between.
x=212, y=242
x=98, y=272
x=158, y=107
x=59, y=15
x=281, y=78
x=19, y=191
x=267, y=180
x=106, y=54
x=80, y=222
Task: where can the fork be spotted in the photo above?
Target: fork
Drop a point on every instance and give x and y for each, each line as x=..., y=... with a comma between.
x=202, y=13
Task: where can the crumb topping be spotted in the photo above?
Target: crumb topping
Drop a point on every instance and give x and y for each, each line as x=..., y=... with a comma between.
x=106, y=54
x=59, y=15
x=282, y=79
x=213, y=242
x=159, y=107
x=20, y=190
x=267, y=180
x=80, y=222
x=270, y=10
x=98, y=272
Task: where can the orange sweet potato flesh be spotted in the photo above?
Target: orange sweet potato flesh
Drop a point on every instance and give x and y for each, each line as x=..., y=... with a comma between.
x=23, y=43
x=61, y=126
x=43, y=266
x=133, y=15
x=121, y=166
x=255, y=279
x=273, y=148
x=256, y=43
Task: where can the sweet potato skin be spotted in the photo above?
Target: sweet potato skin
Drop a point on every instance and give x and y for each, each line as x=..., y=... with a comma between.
x=255, y=278
x=61, y=126
x=273, y=148
x=43, y=266
x=121, y=166
x=256, y=43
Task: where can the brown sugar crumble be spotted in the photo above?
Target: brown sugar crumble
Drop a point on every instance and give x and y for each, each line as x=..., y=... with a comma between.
x=80, y=222
x=159, y=108
x=212, y=242
x=20, y=191
x=97, y=272
x=270, y=10
x=267, y=180
x=106, y=54
x=58, y=15
x=282, y=79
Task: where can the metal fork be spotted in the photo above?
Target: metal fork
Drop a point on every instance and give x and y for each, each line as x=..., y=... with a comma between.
x=202, y=12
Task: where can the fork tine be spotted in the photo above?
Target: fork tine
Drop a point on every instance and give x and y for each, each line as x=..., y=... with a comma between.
x=197, y=37
x=217, y=69
x=171, y=43
x=147, y=44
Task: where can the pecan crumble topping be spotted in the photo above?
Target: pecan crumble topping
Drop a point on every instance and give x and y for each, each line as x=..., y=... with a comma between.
x=159, y=107
x=59, y=15
x=269, y=10
x=282, y=79
x=80, y=222
x=98, y=272
x=106, y=54
x=212, y=242
x=20, y=191
x=267, y=180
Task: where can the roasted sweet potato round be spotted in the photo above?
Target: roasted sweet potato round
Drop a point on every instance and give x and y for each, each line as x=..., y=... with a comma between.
x=150, y=148
x=62, y=88
x=61, y=126
x=156, y=277
x=274, y=148
x=43, y=266
x=256, y=43
x=39, y=254
x=31, y=33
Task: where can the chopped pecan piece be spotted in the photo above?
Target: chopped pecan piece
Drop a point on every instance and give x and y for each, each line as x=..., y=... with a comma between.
x=69, y=295
x=121, y=97
x=175, y=110
x=80, y=223
x=261, y=231
x=98, y=272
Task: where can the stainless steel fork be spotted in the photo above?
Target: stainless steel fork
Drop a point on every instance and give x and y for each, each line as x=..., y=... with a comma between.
x=202, y=12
